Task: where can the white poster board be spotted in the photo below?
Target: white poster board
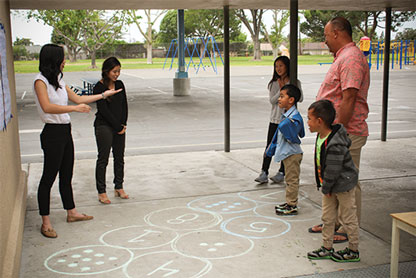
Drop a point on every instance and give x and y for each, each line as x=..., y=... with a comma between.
x=5, y=104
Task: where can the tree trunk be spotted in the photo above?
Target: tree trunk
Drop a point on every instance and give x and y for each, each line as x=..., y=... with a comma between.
x=257, y=52
x=149, y=48
x=275, y=52
x=93, y=64
x=72, y=53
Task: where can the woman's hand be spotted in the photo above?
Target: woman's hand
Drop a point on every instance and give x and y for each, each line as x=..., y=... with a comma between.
x=123, y=130
x=82, y=108
x=111, y=92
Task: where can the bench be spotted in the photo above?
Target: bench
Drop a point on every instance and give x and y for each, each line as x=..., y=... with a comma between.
x=89, y=84
x=324, y=64
x=78, y=90
x=405, y=221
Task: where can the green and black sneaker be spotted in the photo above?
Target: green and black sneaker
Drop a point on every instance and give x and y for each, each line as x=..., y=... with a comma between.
x=346, y=255
x=321, y=254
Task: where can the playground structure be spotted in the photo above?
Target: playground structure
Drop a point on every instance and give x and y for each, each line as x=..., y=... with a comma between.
x=402, y=53
x=210, y=50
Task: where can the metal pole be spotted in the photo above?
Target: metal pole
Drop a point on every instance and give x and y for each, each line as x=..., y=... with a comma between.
x=181, y=73
x=227, y=79
x=293, y=41
x=386, y=76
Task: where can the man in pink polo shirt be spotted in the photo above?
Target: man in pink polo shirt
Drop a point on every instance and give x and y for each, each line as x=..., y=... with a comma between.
x=346, y=86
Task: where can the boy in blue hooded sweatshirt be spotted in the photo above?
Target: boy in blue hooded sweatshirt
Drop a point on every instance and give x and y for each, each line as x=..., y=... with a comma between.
x=285, y=146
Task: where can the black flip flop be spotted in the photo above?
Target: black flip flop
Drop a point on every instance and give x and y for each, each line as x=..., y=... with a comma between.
x=315, y=232
x=342, y=240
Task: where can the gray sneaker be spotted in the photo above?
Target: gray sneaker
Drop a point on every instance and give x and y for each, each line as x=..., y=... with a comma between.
x=262, y=178
x=278, y=178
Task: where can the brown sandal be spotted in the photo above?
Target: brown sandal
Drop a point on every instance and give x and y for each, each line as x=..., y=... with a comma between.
x=50, y=233
x=120, y=193
x=103, y=199
x=83, y=217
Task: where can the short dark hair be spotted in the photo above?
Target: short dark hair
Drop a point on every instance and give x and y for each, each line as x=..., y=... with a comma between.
x=292, y=91
x=51, y=57
x=323, y=109
x=342, y=24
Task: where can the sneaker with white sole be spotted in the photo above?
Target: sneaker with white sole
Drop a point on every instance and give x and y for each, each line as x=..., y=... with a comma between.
x=278, y=178
x=262, y=178
x=346, y=255
x=287, y=210
x=321, y=254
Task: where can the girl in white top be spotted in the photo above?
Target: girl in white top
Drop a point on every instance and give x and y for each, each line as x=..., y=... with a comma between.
x=281, y=77
x=52, y=95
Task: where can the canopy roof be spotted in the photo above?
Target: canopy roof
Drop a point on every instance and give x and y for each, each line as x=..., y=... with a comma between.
x=347, y=5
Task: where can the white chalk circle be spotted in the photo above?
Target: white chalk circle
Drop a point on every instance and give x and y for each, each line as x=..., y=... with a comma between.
x=223, y=204
x=306, y=212
x=138, y=237
x=212, y=245
x=274, y=196
x=255, y=227
x=88, y=260
x=182, y=219
x=166, y=264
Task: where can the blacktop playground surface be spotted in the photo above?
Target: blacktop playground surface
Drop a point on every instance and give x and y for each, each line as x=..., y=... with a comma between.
x=200, y=214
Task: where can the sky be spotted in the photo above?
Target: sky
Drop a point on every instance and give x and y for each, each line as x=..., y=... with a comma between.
x=40, y=34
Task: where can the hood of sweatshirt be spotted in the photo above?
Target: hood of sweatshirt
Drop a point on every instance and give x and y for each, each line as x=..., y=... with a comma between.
x=338, y=136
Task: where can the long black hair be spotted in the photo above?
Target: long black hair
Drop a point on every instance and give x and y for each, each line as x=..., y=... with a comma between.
x=285, y=60
x=108, y=65
x=51, y=57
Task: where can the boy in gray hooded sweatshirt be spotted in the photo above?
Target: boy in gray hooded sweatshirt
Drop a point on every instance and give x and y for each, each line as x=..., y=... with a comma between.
x=336, y=174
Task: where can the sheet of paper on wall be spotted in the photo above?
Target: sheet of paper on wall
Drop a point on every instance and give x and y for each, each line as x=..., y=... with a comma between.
x=5, y=103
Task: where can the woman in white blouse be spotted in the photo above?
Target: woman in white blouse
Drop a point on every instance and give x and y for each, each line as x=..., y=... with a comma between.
x=52, y=95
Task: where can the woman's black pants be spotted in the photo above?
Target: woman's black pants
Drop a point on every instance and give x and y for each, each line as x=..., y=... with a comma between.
x=267, y=160
x=108, y=139
x=58, y=157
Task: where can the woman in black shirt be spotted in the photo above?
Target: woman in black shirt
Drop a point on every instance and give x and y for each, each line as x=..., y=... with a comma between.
x=110, y=129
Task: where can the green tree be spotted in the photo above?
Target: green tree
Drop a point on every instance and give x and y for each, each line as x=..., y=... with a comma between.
x=82, y=29
x=315, y=22
x=23, y=42
x=199, y=23
x=19, y=52
x=100, y=29
x=254, y=25
x=275, y=37
x=147, y=31
x=168, y=29
x=363, y=23
x=67, y=24
x=407, y=34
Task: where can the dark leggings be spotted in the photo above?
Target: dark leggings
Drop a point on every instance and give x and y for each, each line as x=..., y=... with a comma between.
x=58, y=157
x=267, y=160
x=108, y=139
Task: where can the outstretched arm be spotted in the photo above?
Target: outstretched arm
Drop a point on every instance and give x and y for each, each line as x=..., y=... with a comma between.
x=51, y=108
x=72, y=96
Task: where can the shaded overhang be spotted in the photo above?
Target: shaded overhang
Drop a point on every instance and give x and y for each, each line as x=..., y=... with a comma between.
x=340, y=5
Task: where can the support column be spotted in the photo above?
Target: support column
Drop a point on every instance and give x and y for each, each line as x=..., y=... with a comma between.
x=386, y=73
x=293, y=41
x=227, y=79
x=13, y=181
x=181, y=82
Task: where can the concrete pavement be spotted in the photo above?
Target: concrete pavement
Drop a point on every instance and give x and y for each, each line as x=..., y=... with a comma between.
x=200, y=214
